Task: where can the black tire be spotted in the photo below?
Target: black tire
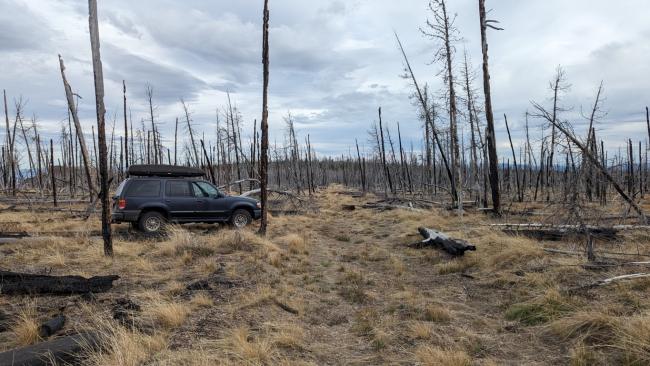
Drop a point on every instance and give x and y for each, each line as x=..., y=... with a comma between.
x=151, y=223
x=240, y=218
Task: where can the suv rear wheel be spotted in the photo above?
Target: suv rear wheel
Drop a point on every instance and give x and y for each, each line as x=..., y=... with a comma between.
x=151, y=222
x=240, y=218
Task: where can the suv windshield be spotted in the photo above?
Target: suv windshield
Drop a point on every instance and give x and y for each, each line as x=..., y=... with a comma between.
x=205, y=189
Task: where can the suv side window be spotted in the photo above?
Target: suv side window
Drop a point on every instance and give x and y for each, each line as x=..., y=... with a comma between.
x=205, y=189
x=143, y=188
x=177, y=188
x=198, y=191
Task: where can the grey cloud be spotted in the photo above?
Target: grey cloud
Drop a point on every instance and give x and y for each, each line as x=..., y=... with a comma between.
x=169, y=83
x=21, y=29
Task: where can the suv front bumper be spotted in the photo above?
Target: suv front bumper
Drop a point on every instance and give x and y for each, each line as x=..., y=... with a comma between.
x=124, y=216
x=257, y=214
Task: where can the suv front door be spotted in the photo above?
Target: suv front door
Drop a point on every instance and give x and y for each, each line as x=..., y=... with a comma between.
x=183, y=206
x=215, y=207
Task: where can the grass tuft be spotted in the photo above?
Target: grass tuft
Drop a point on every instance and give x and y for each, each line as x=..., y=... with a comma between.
x=435, y=356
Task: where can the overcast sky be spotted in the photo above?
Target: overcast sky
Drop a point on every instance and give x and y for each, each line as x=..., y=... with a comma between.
x=332, y=62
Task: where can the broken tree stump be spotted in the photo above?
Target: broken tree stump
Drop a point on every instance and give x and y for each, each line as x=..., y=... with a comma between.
x=436, y=239
x=60, y=351
x=51, y=326
x=13, y=283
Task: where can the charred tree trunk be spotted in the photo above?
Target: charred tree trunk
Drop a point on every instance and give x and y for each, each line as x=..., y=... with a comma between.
x=52, y=174
x=491, y=141
x=126, y=130
x=264, y=150
x=520, y=193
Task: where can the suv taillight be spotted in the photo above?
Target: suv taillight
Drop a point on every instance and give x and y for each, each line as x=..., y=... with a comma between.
x=121, y=204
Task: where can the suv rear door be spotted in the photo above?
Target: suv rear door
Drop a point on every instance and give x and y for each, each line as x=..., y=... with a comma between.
x=183, y=205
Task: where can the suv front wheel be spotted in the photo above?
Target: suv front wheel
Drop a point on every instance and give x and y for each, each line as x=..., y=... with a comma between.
x=240, y=218
x=151, y=222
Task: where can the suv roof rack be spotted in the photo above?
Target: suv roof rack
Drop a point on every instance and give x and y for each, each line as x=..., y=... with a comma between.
x=151, y=170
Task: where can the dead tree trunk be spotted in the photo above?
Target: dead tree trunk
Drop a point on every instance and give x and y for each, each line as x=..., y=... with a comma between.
x=175, y=141
x=594, y=160
x=101, y=130
x=490, y=138
x=429, y=120
x=520, y=193
x=126, y=130
x=14, y=283
x=264, y=162
x=77, y=125
x=52, y=172
x=189, y=128
x=59, y=351
x=10, y=146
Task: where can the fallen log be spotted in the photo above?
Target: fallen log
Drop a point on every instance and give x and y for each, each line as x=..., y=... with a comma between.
x=559, y=232
x=13, y=283
x=434, y=238
x=51, y=326
x=607, y=281
x=63, y=350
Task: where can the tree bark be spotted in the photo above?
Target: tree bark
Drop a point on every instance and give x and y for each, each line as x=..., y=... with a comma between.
x=101, y=132
x=77, y=126
x=52, y=175
x=126, y=130
x=491, y=140
x=264, y=149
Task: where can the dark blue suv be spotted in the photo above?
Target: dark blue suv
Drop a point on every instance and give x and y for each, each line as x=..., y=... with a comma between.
x=151, y=197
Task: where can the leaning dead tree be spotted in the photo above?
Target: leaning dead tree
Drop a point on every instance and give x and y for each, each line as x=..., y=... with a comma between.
x=101, y=133
x=442, y=30
x=79, y=132
x=565, y=129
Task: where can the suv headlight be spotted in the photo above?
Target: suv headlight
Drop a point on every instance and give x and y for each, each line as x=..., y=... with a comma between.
x=259, y=204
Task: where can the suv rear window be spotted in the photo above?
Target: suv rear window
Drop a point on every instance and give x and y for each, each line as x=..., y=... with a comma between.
x=143, y=188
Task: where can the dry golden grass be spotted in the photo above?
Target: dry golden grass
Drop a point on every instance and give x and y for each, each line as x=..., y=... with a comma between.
x=551, y=305
x=25, y=328
x=436, y=313
x=201, y=300
x=397, y=265
x=435, y=356
x=419, y=330
x=168, y=314
x=288, y=336
x=591, y=327
x=337, y=287
x=296, y=244
x=581, y=355
x=123, y=347
x=457, y=264
x=249, y=350
x=633, y=340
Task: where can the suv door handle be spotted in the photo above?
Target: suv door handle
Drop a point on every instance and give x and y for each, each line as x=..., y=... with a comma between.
x=200, y=201
x=168, y=201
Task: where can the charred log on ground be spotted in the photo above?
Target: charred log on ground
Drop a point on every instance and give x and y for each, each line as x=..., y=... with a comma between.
x=436, y=239
x=14, y=283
